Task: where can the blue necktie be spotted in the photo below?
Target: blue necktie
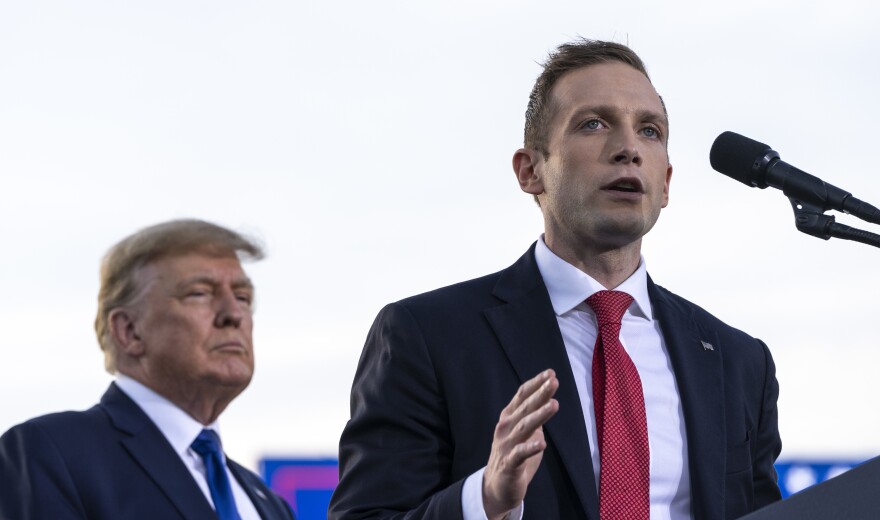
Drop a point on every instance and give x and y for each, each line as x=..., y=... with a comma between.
x=207, y=445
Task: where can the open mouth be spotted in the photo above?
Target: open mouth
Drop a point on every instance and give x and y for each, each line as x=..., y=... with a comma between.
x=626, y=186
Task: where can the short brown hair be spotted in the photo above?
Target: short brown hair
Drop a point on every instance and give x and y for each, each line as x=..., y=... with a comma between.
x=568, y=57
x=119, y=284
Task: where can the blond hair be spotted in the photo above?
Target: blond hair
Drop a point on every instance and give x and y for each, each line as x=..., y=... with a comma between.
x=119, y=283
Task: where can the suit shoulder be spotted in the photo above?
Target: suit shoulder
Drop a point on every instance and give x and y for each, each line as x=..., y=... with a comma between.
x=465, y=297
x=60, y=427
x=474, y=291
x=436, y=316
x=65, y=421
x=701, y=315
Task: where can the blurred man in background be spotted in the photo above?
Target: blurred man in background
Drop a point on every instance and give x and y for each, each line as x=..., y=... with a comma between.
x=175, y=324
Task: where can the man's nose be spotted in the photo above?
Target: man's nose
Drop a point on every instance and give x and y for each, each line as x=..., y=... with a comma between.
x=625, y=148
x=230, y=310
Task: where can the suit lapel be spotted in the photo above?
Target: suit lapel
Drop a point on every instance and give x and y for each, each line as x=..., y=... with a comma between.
x=257, y=495
x=696, y=360
x=529, y=334
x=152, y=452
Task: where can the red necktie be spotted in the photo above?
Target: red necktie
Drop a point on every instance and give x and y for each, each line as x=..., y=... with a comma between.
x=621, y=425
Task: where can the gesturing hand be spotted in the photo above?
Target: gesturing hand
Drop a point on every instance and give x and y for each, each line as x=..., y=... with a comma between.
x=518, y=444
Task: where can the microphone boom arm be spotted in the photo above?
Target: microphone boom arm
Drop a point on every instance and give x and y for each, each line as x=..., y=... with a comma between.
x=811, y=219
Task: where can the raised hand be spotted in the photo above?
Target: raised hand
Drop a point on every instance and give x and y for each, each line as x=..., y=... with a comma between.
x=518, y=444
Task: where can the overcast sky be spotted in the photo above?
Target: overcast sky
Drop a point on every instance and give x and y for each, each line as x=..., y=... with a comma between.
x=368, y=145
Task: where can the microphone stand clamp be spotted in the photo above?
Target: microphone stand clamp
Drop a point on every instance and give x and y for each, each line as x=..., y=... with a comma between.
x=810, y=219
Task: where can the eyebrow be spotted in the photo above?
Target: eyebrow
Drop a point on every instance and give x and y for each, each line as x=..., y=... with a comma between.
x=239, y=283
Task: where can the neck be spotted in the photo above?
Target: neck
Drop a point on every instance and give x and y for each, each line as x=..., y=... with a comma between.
x=205, y=409
x=608, y=266
x=202, y=404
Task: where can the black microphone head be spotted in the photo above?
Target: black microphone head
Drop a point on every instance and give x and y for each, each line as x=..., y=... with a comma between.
x=741, y=158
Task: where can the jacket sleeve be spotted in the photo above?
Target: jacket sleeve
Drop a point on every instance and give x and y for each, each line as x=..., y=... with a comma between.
x=767, y=442
x=395, y=454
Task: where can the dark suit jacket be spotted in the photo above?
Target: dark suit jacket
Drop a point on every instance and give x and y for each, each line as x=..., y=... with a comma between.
x=108, y=462
x=438, y=368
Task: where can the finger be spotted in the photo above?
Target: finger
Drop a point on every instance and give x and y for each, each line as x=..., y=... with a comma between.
x=522, y=452
x=510, y=421
x=540, y=397
x=526, y=427
x=527, y=389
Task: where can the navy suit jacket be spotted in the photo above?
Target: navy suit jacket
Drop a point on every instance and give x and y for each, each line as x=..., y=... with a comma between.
x=108, y=462
x=438, y=368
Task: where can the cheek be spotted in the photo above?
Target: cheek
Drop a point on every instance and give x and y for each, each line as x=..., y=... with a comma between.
x=666, y=189
x=195, y=329
x=566, y=178
x=248, y=330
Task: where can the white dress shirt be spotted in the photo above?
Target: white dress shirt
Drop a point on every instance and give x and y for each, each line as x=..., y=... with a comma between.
x=181, y=430
x=641, y=337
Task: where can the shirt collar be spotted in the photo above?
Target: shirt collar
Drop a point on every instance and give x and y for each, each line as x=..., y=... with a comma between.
x=176, y=425
x=569, y=286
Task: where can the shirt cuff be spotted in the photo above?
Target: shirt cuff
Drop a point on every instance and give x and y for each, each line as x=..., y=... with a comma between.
x=472, y=499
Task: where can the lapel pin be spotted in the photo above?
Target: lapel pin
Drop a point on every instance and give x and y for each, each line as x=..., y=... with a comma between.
x=260, y=493
x=707, y=345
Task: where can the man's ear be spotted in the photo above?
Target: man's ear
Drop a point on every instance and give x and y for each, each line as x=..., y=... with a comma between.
x=124, y=331
x=526, y=166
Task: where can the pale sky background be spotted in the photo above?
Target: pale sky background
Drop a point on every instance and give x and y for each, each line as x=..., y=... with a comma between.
x=368, y=145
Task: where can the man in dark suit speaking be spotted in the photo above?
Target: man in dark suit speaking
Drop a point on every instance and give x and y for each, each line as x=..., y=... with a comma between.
x=174, y=322
x=569, y=385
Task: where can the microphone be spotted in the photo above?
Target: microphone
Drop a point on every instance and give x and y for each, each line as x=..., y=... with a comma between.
x=757, y=165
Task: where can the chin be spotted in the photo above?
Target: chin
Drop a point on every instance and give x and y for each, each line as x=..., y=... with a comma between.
x=236, y=374
x=619, y=234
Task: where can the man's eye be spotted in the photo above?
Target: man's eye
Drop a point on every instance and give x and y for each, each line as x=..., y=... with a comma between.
x=244, y=298
x=592, y=124
x=197, y=292
x=650, y=132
